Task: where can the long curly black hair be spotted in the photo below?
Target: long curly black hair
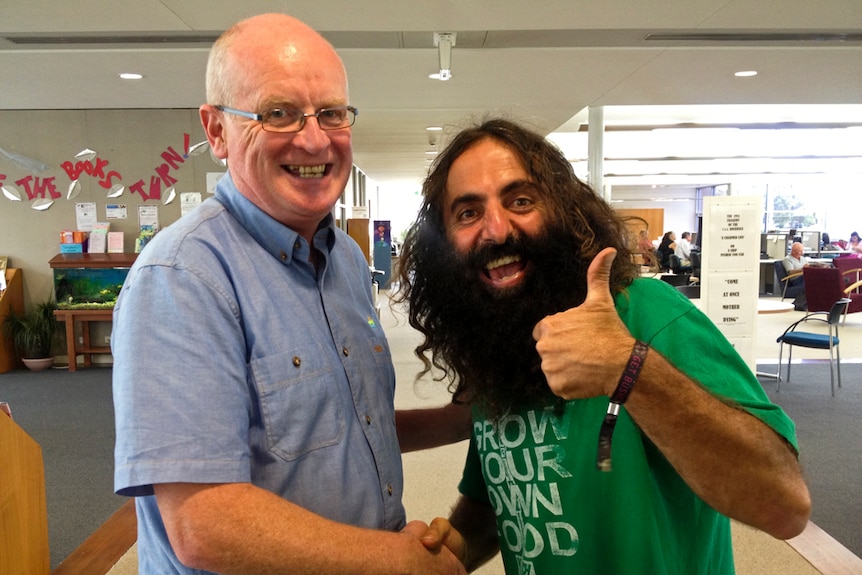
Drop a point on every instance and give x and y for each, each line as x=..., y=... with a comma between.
x=573, y=208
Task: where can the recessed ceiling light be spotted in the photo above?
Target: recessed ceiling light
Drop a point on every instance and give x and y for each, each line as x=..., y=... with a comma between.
x=130, y=76
x=434, y=128
x=746, y=73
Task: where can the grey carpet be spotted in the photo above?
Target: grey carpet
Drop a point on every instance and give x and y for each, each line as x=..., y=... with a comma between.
x=830, y=434
x=71, y=416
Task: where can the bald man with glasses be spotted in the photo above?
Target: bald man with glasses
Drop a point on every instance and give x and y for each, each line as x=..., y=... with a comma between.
x=253, y=384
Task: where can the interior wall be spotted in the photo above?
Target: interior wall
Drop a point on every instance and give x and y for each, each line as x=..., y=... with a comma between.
x=131, y=148
x=678, y=205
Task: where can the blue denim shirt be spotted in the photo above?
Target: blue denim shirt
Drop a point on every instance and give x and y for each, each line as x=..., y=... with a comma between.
x=234, y=361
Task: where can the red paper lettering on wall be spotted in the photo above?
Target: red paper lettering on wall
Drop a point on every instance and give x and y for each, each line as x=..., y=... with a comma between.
x=38, y=187
x=109, y=179
x=96, y=170
x=138, y=188
x=163, y=178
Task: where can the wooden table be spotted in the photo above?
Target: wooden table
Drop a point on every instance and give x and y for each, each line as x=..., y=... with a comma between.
x=84, y=317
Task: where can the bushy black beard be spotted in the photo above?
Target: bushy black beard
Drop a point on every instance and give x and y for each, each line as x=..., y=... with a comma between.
x=485, y=335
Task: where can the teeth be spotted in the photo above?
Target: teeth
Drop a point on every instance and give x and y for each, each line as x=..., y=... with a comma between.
x=308, y=171
x=503, y=261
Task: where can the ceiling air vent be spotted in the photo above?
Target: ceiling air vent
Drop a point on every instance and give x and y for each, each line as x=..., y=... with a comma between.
x=755, y=37
x=76, y=40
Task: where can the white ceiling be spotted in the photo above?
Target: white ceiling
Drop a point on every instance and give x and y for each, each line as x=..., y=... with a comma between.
x=543, y=61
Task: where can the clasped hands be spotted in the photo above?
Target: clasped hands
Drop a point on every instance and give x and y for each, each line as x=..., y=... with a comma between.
x=439, y=537
x=585, y=349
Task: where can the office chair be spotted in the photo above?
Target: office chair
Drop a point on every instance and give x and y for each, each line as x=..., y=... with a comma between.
x=677, y=267
x=792, y=336
x=695, y=264
x=784, y=280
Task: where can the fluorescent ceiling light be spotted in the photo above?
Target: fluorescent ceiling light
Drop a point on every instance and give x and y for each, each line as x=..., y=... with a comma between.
x=746, y=73
x=131, y=76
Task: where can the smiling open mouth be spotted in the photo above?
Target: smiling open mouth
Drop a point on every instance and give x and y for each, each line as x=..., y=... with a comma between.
x=308, y=171
x=504, y=270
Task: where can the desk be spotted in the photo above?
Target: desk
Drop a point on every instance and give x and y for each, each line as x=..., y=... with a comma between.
x=84, y=317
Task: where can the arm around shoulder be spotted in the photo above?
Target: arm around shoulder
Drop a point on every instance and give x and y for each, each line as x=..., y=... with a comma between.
x=432, y=427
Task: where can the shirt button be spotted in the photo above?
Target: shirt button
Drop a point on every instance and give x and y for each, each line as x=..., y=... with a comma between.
x=345, y=351
x=368, y=419
x=297, y=244
x=389, y=489
x=283, y=256
x=296, y=361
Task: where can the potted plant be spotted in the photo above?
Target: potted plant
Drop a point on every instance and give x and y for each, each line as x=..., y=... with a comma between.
x=33, y=333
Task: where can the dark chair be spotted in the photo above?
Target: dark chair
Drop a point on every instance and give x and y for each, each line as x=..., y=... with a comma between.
x=695, y=264
x=824, y=286
x=851, y=268
x=785, y=280
x=794, y=336
x=677, y=267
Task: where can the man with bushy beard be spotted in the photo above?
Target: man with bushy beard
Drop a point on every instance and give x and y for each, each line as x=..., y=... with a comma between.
x=519, y=278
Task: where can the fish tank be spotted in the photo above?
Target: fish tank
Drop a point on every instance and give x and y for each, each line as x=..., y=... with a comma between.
x=82, y=282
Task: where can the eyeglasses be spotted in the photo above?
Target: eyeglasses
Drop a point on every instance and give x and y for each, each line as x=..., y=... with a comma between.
x=284, y=120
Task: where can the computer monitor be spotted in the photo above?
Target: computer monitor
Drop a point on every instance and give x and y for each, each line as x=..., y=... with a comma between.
x=774, y=246
x=811, y=242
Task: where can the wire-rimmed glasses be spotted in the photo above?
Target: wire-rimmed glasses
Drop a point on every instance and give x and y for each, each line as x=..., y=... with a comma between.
x=285, y=120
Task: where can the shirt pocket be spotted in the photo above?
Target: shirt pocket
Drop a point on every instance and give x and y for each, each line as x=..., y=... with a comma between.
x=299, y=402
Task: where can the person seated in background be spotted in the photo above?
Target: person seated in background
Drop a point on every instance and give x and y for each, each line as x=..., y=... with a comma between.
x=665, y=249
x=854, y=245
x=683, y=249
x=795, y=261
x=647, y=249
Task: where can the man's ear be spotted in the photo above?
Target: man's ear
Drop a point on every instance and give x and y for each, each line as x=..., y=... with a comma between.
x=213, y=123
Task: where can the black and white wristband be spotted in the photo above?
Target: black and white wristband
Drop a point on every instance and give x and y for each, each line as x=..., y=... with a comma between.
x=619, y=397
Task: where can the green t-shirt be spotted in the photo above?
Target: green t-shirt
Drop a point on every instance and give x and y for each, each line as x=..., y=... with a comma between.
x=557, y=514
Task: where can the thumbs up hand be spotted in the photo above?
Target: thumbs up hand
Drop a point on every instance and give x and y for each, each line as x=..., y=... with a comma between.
x=584, y=349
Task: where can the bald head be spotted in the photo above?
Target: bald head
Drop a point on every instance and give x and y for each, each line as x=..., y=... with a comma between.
x=266, y=44
x=797, y=249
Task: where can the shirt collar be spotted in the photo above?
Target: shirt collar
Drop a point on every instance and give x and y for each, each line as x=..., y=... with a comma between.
x=280, y=241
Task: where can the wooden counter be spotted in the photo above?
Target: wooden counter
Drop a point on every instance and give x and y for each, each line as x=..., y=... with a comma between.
x=24, y=517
